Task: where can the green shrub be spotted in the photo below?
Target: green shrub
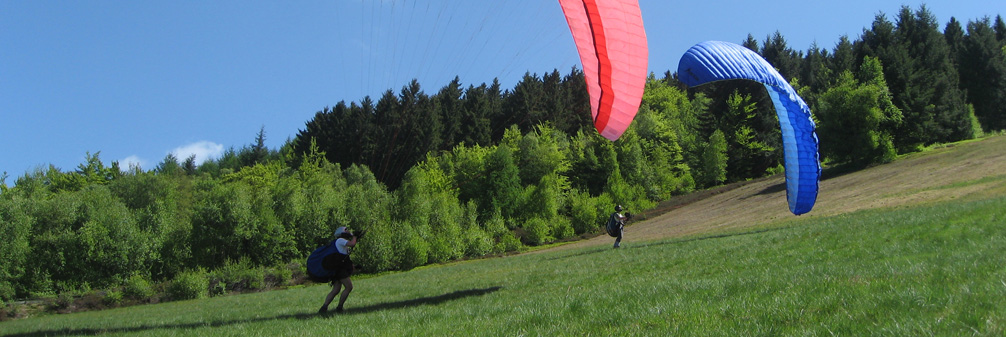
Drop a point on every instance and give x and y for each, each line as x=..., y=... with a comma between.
x=239, y=276
x=376, y=252
x=561, y=229
x=278, y=275
x=9, y=311
x=508, y=242
x=6, y=291
x=188, y=285
x=537, y=231
x=495, y=225
x=112, y=298
x=217, y=288
x=477, y=242
x=254, y=278
x=62, y=301
x=414, y=251
x=138, y=287
x=15, y=230
x=440, y=248
x=584, y=213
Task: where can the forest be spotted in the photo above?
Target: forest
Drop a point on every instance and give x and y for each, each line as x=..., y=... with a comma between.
x=477, y=170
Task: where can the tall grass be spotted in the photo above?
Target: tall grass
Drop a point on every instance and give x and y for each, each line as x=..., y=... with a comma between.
x=928, y=270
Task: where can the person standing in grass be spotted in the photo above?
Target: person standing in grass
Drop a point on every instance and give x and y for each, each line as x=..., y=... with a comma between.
x=615, y=225
x=343, y=267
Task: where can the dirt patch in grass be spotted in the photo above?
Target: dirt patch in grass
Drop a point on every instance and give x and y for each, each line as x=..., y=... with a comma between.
x=960, y=170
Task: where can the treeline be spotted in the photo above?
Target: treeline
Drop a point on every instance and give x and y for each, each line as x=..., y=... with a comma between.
x=478, y=170
x=396, y=132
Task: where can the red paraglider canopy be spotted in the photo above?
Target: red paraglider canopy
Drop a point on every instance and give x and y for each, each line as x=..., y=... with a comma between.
x=610, y=38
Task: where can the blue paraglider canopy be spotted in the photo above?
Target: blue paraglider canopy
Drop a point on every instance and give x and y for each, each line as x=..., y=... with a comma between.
x=716, y=61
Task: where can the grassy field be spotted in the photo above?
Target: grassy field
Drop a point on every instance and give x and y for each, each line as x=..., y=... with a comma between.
x=922, y=266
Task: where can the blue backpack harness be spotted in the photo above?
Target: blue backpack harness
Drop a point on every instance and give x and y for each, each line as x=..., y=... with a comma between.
x=613, y=227
x=324, y=262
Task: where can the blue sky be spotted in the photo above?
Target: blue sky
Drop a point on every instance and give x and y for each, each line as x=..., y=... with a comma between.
x=137, y=80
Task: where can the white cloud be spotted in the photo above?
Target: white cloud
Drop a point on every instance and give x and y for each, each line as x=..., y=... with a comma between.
x=203, y=151
x=130, y=162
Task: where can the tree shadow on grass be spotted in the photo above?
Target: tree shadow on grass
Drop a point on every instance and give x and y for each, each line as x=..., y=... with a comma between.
x=430, y=300
x=713, y=236
x=669, y=242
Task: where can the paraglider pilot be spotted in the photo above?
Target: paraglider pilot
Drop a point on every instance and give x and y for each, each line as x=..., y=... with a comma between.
x=615, y=225
x=343, y=267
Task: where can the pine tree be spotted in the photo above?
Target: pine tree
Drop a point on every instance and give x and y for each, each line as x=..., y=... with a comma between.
x=525, y=105
x=814, y=71
x=954, y=34
x=782, y=57
x=939, y=81
x=921, y=77
x=1000, y=29
x=449, y=103
x=842, y=58
x=751, y=43
x=577, y=103
x=983, y=74
x=478, y=105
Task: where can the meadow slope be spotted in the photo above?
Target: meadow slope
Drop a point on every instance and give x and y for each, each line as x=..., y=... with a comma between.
x=951, y=172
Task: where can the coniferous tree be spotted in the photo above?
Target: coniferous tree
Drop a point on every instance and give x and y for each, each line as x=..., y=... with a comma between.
x=842, y=59
x=259, y=150
x=781, y=56
x=189, y=166
x=416, y=132
x=478, y=105
x=576, y=103
x=983, y=74
x=553, y=101
x=921, y=76
x=954, y=34
x=169, y=165
x=358, y=129
x=498, y=120
x=338, y=131
x=1000, y=29
x=934, y=89
x=814, y=72
x=525, y=105
x=879, y=41
x=751, y=43
x=390, y=123
x=448, y=99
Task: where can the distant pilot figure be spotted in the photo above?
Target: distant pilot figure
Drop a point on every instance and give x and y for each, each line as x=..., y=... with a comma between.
x=616, y=222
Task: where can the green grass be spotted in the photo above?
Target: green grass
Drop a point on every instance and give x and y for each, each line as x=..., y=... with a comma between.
x=936, y=269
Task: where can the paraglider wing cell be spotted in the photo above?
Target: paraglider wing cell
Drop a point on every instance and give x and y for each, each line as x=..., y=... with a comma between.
x=715, y=61
x=611, y=41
